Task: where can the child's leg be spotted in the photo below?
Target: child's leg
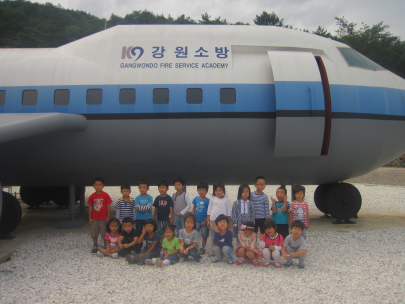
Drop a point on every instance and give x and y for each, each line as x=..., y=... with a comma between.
x=103, y=231
x=204, y=242
x=218, y=253
x=150, y=255
x=212, y=230
x=95, y=230
x=104, y=251
x=204, y=234
x=266, y=254
x=241, y=253
x=288, y=250
x=304, y=234
x=226, y=250
x=251, y=255
x=193, y=252
x=301, y=259
x=276, y=256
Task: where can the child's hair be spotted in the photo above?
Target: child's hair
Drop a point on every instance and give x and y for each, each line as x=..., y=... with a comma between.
x=269, y=224
x=240, y=190
x=298, y=224
x=127, y=220
x=98, y=179
x=203, y=185
x=114, y=220
x=143, y=182
x=298, y=188
x=163, y=183
x=218, y=185
x=171, y=227
x=180, y=180
x=248, y=225
x=152, y=222
x=221, y=217
x=125, y=186
x=259, y=177
x=283, y=188
x=192, y=216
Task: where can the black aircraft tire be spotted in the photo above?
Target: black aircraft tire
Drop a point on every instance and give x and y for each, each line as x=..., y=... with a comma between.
x=34, y=196
x=320, y=197
x=344, y=201
x=10, y=215
x=60, y=195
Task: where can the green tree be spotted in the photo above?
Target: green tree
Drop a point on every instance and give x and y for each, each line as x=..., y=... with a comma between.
x=269, y=19
x=320, y=31
x=206, y=19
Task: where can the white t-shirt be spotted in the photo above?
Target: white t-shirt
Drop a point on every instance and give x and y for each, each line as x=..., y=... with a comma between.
x=219, y=206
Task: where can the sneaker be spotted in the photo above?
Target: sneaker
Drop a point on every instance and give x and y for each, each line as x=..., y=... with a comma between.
x=288, y=264
x=100, y=254
x=201, y=251
x=130, y=259
x=201, y=261
x=159, y=262
x=256, y=263
x=230, y=262
x=149, y=262
x=277, y=264
x=266, y=264
x=137, y=259
x=215, y=260
x=94, y=249
x=181, y=260
x=239, y=262
x=301, y=266
x=114, y=256
x=211, y=253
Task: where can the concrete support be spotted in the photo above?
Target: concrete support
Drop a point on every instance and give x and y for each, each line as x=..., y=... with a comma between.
x=72, y=202
x=1, y=200
x=292, y=193
x=82, y=192
x=74, y=222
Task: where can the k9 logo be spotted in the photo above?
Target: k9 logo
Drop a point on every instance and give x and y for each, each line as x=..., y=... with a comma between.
x=136, y=51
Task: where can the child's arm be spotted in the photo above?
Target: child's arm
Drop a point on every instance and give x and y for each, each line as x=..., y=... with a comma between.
x=189, y=248
x=147, y=208
x=119, y=242
x=285, y=207
x=90, y=214
x=290, y=218
x=108, y=213
x=193, y=212
x=267, y=208
x=132, y=243
x=307, y=222
x=142, y=237
x=188, y=202
x=107, y=243
x=171, y=219
x=181, y=246
x=155, y=214
x=117, y=213
x=234, y=216
x=299, y=253
x=173, y=253
x=285, y=255
x=273, y=207
x=150, y=249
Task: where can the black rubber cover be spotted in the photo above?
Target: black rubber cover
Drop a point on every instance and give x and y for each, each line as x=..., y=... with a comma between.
x=344, y=201
x=10, y=215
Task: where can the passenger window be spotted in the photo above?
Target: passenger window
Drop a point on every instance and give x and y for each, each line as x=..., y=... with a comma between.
x=160, y=96
x=2, y=98
x=194, y=96
x=61, y=97
x=353, y=59
x=127, y=96
x=227, y=96
x=94, y=96
x=30, y=97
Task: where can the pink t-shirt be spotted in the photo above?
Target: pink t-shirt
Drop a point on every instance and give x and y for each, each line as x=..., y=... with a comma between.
x=277, y=241
x=300, y=212
x=113, y=239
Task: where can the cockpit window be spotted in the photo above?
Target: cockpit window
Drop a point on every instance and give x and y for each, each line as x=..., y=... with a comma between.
x=356, y=59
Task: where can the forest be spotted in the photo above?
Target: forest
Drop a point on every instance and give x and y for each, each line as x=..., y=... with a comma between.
x=24, y=24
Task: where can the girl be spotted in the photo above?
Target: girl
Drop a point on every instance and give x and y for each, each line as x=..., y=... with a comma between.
x=280, y=211
x=271, y=243
x=247, y=245
x=219, y=204
x=112, y=235
x=171, y=249
x=242, y=209
x=189, y=239
x=152, y=238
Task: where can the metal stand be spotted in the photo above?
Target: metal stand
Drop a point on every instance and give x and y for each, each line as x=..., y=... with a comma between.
x=83, y=214
x=73, y=222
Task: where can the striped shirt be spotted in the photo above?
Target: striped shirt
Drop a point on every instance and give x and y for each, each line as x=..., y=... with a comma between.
x=126, y=208
x=261, y=205
x=299, y=212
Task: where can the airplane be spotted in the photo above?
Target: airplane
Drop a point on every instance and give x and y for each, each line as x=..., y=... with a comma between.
x=205, y=102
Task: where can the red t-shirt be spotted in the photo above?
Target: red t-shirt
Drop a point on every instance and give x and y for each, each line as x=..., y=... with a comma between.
x=99, y=203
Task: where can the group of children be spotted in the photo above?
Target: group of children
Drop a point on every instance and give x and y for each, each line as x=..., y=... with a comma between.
x=170, y=234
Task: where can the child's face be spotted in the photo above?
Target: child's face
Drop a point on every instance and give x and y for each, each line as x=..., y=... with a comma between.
x=169, y=234
x=270, y=231
x=296, y=231
x=219, y=192
x=127, y=227
x=299, y=196
x=202, y=192
x=149, y=228
x=114, y=227
x=98, y=186
x=189, y=223
x=178, y=186
x=245, y=194
x=260, y=185
x=222, y=225
x=143, y=189
x=125, y=193
x=280, y=195
x=163, y=189
x=248, y=232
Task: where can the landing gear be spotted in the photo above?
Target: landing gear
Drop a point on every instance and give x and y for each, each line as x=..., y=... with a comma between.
x=34, y=196
x=60, y=195
x=341, y=200
x=10, y=215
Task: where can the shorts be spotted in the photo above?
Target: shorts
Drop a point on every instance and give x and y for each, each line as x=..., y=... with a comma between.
x=204, y=230
x=98, y=227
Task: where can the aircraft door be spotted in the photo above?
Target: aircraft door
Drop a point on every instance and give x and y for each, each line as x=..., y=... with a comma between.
x=300, y=116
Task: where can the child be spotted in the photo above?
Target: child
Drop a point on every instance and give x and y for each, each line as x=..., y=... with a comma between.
x=163, y=208
x=112, y=235
x=189, y=239
x=200, y=209
x=125, y=205
x=219, y=204
x=99, y=211
x=171, y=248
x=128, y=241
x=271, y=243
x=143, y=205
x=222, y=241
x=152, y=241
x=280, y=211
x=246, y=245
x=299, y=209
x=242, y=209
x=261, y=203
x=295, y=246
x=181, y=202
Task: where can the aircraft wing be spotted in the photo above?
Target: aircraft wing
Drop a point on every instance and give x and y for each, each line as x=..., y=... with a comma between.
x=24, y=125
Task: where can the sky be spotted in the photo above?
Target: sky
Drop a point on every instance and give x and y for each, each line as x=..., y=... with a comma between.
x=302, y=14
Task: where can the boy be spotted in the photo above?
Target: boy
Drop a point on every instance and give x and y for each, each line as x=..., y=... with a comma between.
x=295, y=246
x=261, y=204
x=299, y=209
x=125, y=205
x=280, y=211
x=163, y=208
x=99, y=211
x=143, y=205
x=129, y=241
x=222, y=240
x=200, y=207
x=181, y=202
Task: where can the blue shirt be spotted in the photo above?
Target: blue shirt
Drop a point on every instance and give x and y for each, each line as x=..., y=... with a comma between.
x=280, y=217
x=144, y=202
x=223, y=240
x=201, y=208
x=261, y=204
